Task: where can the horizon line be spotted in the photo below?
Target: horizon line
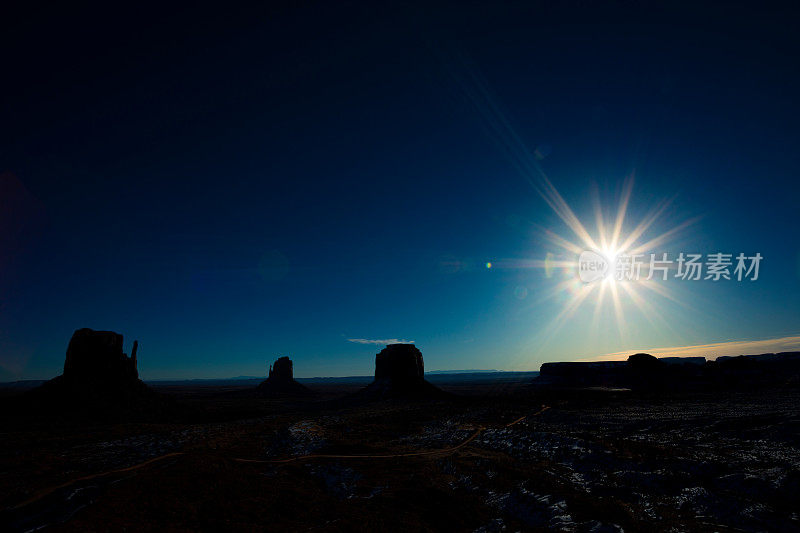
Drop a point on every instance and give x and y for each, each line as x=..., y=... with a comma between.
x=718, y=349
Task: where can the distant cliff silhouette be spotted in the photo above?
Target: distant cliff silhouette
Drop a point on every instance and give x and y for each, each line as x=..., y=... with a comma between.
x=645, y=372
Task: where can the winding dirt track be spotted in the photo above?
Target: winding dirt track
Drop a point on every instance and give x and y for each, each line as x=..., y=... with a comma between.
x=444, y=451
x=44, y=492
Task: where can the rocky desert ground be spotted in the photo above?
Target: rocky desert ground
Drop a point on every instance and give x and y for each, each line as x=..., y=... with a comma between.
x=509, y=458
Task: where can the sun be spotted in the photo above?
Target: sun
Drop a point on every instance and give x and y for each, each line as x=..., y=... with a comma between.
x=610, y=255
x=607, y=240
x=607, y=236
x=612, y=242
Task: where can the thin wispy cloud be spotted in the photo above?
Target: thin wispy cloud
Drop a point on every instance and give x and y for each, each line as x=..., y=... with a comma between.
x=380, y=341
x=712, y=350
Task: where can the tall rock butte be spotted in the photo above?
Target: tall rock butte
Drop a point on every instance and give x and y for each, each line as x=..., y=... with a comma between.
x=96, y=357
x=399, y=372
x=98, y=378
x=280, y=380
x=401, y=364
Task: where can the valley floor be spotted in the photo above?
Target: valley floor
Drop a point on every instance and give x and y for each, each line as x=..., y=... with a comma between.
x=591, y=461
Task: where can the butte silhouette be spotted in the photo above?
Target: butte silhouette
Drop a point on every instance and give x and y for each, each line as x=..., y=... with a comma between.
x=399, y=373
x=280, y=381
x=98, y=380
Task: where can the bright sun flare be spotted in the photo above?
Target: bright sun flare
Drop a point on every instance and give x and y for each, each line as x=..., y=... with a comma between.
x=610, y=241
x=607, y=239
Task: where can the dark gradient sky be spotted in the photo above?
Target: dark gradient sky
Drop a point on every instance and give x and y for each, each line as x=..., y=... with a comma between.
x=230, y=187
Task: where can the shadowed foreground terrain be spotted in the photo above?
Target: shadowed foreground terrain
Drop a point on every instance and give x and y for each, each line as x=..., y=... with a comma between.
x=502, y=455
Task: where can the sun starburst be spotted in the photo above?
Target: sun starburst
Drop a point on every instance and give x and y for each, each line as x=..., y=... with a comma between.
x=609, y=240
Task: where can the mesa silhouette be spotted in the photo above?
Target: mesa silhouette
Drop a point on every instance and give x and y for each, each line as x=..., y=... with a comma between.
x=642, y=371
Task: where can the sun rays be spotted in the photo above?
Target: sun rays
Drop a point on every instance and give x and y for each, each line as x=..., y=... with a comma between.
x=608, y=232
x=610, y=300
x=609, y=296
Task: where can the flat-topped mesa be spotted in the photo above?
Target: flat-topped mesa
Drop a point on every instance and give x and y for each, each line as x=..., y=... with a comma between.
x=583, y=374
x=645, y=372
x=401, y=363
x=638, y=371
x=96, y=357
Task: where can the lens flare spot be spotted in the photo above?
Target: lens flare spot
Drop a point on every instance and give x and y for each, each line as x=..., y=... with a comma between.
x=548, y=264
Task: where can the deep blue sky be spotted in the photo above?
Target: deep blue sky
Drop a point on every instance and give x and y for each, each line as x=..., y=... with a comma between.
x=231, y=187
